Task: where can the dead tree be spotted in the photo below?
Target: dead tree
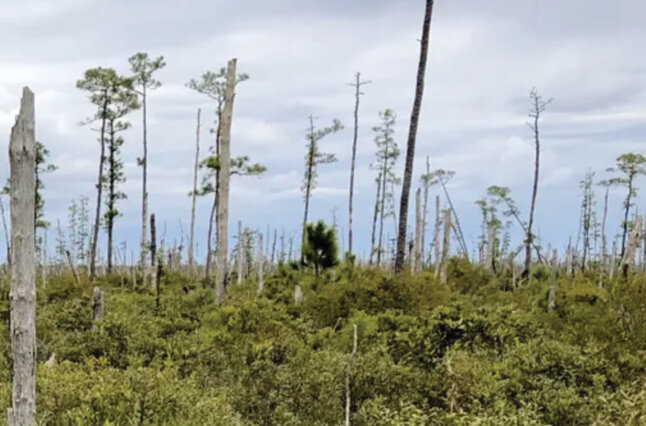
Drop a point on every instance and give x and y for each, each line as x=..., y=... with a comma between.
x=22, y=157
x=98, y=307
x=446, y=246
x=70, y=263
x=223, y=184
x=261, y=265
x=538, y=105
x=634, y=241
x=353, y=355
x=436, y=234
x=191, y=238
x=357, y=97
x=6, y=233
x=416, y=258
x=551, y=300
x=153, y=250
x=240, y=254
x=412, y=137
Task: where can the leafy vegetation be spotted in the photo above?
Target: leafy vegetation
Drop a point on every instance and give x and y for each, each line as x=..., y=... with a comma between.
x=465, y=352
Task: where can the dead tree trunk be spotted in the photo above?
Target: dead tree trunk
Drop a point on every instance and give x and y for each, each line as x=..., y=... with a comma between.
x=22, y=156
x=416, y=258
x=261, y=266
x=357, y=97
x=348, y=400
x=98, y=307
x=551, y=300
x=191, y=237
x=70, y=263
x=6, y=233
x=634, y=241
x=412, y=136
x=223, y=183
x=425, y=213
x=143, y=249
x=240, y=253
x=436, y=235
x=446, y=245
x=153, y=250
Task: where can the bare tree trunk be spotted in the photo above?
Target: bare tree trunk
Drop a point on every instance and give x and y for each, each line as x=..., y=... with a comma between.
x=99, y=191
x=298, y=295
x=223, y=183
x=70, y=263
x=144, y=192
x=538, y=106
x=425, y=213
x=634, y=241
x=446, y=246
x=6, y=233
x=98, y=306
x=153, y=250
x=416, y=258
x=436, y=235
x=261, y=266
x=240, y=253
x=273, y=246
x=348, y=400
x=491, y=245
x=22, y=154
x=357, y=96
x=374, y=222
x=191, y=238
x=412, y=136
x=604, y=237
x=551, y=300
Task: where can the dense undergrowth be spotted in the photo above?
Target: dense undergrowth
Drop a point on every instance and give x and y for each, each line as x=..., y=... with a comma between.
x=470, y=352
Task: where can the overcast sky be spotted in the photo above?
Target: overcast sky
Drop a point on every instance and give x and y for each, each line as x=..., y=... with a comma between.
x=484, y=59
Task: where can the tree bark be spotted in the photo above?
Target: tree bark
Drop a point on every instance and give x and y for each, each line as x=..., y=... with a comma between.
x=412, y=136
x=223, y=183
x=446, y=246
x=261, y=266
x=191, y=238
x=425, y=213
x=6, y=233
x=99, y=191
x=308, y=185
x=22, y=154
x=98, y=307
x=551, y=300
x=144, y=192
x=153, y=250
x=416, y=258
x=374, y=222
x=436, y=235
x=240, y=253
x=357, y=96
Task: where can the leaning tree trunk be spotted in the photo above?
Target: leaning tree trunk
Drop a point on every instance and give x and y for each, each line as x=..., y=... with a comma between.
x=223, y=183
x=22, y=155
x=191, y=237
x=446, y=246
x=412, y=136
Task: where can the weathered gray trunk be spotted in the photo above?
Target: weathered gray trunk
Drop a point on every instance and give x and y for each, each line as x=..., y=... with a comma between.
x=551, y=300
x=261, y=266
x=425, y=213
x=240, y=254
x=412, y=137
x=6, y=232
x=22, y=154
x=191, y=236
x=298, y=295
x=436, y=236
x=416, y=258
x=70, y=263
x=223, y=183
x=348, y=399
x=98, y=307
x=634, y=241
x=490, y=247
x=446, y=245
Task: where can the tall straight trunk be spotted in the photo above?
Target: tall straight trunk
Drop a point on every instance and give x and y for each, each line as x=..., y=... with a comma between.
x=530, y=237
x=416, y=257
x=374, y=221
x=635, y=239
x=425, y=212
x=111, y=196
x=490, y=259
x=446, y=245
x=99, y=192
x=261, y=265
x=153, y=250
x=412, y=137
x=273, y=246
x=436, y=234
x=213, y=219
x=209, y=241
x=357, y=96
x=308, y=185
x=551, y=300
x=240, y=253
x=144, y=190
x=626, y=214
x=223, y=183
x=22, y=156
x=191, y=236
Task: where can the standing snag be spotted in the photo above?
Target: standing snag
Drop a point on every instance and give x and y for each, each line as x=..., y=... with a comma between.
x=412, y=137
x=98, y=306
x=191, y=235
x=22, y=156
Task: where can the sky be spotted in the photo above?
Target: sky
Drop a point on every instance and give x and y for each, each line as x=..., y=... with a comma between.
x=300, y=54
